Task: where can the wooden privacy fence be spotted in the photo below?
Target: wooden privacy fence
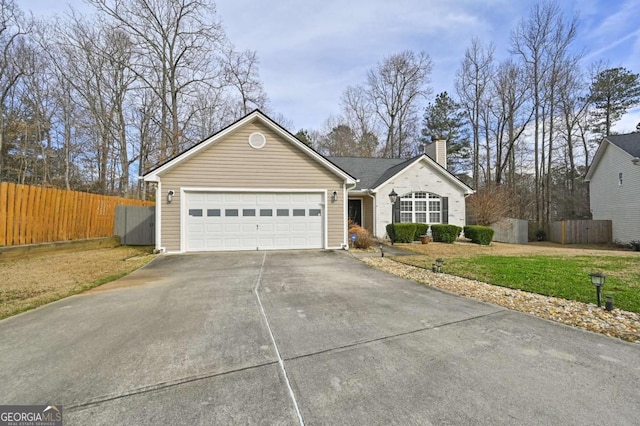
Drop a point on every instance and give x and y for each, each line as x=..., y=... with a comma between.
x=580, y=232
x=32, y=214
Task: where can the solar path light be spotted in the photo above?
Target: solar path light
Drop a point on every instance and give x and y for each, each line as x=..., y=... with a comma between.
x=597, y=279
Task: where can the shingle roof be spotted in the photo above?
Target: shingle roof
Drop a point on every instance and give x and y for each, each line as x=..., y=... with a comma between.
x=369, y=170
x=629, y=142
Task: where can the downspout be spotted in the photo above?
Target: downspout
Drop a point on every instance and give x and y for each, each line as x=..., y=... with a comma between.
x=345, y=244
x=159, y=248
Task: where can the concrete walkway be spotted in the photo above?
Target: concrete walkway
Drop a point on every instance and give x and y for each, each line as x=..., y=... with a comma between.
x=279, y=337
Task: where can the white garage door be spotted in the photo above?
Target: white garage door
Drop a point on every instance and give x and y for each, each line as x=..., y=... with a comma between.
x=253, y=221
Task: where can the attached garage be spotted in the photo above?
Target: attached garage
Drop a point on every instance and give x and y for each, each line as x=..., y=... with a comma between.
x=253, y=221
x=251, y=186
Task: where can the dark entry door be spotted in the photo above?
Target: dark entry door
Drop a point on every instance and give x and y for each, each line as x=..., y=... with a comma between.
x=355, y=211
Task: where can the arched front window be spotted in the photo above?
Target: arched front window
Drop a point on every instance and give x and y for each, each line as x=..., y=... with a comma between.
x=421, y=207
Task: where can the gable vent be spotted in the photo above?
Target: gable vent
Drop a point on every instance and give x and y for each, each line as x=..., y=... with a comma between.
x=257, y=140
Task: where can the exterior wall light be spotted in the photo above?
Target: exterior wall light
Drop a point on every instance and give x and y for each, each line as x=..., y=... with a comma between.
x=170, y=194
x=597, y=279
x=334, y=196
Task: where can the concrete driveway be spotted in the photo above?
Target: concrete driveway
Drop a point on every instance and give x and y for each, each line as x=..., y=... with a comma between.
x=186, y=340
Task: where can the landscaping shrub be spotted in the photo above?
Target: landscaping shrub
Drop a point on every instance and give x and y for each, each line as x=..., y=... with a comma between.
x=364, y=240
x=482, y=235
x=421, y=229
x=635, y=245
x=391, y=232
x=445, y=233
x=404, y=232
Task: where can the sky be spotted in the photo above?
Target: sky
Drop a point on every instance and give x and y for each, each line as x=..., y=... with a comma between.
x=311, y=50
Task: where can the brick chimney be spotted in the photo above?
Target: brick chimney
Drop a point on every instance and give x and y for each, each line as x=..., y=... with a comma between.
x=437, y=150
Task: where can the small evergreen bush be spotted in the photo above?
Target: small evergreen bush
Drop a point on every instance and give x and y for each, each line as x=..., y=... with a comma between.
x=445, y=233
x=391, y=232
x=401, y=232
x=421, y=229
x=482, y=235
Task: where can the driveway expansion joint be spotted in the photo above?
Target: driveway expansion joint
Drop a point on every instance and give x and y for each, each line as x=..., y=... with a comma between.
x=283, y=370
x=383, y=338
x=161, y=386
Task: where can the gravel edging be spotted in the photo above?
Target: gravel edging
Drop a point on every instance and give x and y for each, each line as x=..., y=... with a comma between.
x=617, y=323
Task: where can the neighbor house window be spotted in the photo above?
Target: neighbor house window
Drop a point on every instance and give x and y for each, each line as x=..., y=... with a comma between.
x=421, y=207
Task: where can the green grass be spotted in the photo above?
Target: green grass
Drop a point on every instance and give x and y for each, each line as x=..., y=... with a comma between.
x=565, y=277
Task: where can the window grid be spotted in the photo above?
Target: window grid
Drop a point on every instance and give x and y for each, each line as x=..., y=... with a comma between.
x=414, y=208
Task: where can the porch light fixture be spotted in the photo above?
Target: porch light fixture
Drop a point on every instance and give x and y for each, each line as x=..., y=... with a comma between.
x=597, y=279
x=170, y=194
x=393, y=197
x=334, y=196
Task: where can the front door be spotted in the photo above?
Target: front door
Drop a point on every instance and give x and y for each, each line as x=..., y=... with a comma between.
x=355, y=211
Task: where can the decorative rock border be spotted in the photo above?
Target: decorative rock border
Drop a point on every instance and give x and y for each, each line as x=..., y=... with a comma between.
x=617, y=323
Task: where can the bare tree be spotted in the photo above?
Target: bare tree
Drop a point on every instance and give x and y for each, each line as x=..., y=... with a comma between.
x=395, y=86
x=360, y=117
x=241, y=72
x=541, y=41
x=176, y=44
x=511, y=93
x=13, y=29
x=472, y=85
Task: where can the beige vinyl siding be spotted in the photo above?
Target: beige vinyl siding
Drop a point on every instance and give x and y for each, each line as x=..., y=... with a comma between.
x=232, y=163
x=615, y=202
x=367, y=213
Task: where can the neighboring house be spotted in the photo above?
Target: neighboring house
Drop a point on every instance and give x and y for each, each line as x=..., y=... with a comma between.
x=614, y=185
x=254, y=186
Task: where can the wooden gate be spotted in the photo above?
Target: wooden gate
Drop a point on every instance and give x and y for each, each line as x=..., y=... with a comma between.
x=135, y=225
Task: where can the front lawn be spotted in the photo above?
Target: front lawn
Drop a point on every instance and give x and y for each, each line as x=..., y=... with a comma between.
x=31, y=282
x=560, y=276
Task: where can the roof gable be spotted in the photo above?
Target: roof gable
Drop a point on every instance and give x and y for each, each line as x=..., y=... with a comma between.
x=374, y=172
x=154, y=174
x=629, y=143
x=366, y=169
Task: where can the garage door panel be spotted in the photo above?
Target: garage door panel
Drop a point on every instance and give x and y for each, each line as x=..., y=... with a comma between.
x=248, y=228
x=268, y=228
x=266, y=199
x=213, y=197
x=231, y=228
x=196, y=227
x=246, y=221
x=212, y=228
x=283, y=227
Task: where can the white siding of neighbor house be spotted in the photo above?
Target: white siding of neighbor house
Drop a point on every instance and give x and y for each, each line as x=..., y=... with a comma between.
x=419, y=177
x=610, y=201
